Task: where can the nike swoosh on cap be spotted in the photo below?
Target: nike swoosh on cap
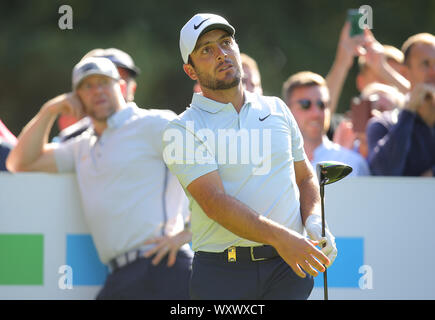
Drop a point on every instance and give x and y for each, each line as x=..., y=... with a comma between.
x=197, y=26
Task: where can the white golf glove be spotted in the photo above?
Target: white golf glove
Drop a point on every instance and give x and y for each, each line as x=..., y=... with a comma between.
x=313, y=225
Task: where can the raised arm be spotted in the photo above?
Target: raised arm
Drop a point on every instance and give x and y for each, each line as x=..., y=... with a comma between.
x=296, y=250
x=376, y=59
x=347, y=48
x=33, y=152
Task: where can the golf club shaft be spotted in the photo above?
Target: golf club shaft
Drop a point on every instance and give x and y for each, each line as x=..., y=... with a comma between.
x=325, y=274
x=329, y=172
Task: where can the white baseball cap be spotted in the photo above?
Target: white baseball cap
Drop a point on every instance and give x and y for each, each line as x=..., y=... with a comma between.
x=198, y=25
x=91, y=66
x=120, y=58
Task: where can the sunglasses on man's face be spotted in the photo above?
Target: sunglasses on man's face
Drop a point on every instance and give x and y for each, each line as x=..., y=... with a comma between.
x=306, y=104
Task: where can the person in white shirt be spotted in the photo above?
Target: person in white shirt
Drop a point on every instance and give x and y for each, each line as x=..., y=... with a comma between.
x=307, y=96
x=124, y=184
x=239, y=156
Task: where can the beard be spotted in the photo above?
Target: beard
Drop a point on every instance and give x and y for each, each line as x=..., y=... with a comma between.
x=210, y=82
x=102, y=115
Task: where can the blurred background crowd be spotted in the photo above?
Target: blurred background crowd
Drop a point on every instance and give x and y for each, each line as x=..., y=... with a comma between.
x=347, y=92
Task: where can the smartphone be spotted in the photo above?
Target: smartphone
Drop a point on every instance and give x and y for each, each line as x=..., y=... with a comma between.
x=361, y=112
x=354, y=16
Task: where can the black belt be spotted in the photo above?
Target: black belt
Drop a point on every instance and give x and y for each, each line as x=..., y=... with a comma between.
x=125, y=259
x=242, y=254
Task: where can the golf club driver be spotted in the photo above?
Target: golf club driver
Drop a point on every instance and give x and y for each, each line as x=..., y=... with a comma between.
x=329, y=172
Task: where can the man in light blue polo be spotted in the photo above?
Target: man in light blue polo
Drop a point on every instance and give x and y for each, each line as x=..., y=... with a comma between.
x=239, y=156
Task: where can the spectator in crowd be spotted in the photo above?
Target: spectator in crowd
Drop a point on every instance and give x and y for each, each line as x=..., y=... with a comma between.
x=251, y=78
x=404, y=145
x=235, y=255
x=132, y=205
x=68, y=124
x=367, y=73
x=307, y=95
x=383, y=97
x=377, y=98
x=377, y=64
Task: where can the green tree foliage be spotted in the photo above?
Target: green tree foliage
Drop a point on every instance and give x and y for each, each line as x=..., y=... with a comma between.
x=36, y=56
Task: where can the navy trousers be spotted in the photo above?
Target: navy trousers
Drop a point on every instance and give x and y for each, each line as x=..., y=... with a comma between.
x=142, y=280
x=272, y=279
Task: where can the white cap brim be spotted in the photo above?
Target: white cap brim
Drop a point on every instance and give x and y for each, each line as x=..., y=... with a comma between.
x=93, y=66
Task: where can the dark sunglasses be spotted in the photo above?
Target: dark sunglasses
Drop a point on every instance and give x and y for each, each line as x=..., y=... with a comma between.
x=306, y=104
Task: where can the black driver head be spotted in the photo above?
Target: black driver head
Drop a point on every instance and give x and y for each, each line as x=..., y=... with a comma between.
x=332, y=171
